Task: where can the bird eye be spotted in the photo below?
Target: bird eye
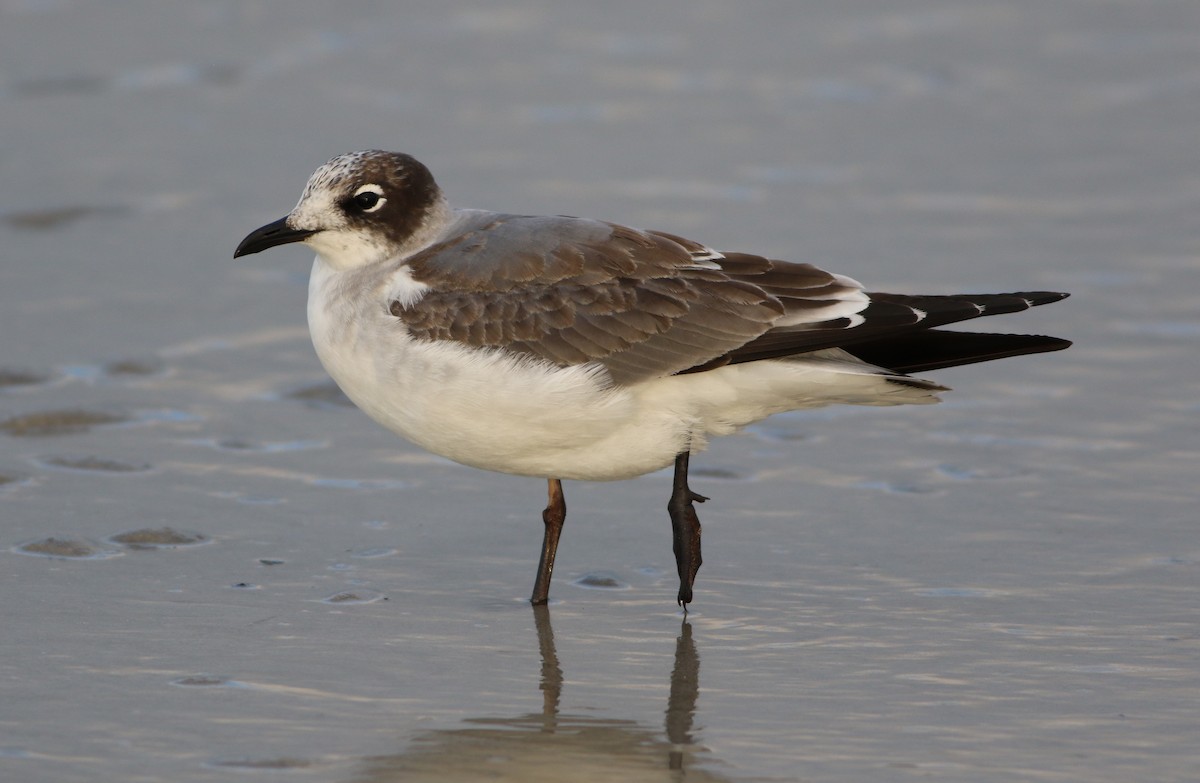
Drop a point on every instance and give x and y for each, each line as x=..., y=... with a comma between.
x=366, y=200
x=369, y=198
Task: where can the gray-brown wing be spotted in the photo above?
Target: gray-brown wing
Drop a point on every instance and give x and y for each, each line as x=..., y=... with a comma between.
x=574, y=291
x=647, y=304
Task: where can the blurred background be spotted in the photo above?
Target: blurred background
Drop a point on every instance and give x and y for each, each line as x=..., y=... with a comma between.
x=212, y=563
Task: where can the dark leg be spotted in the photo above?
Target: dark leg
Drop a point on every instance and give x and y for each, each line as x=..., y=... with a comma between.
x=685, y=526
x=553, y=516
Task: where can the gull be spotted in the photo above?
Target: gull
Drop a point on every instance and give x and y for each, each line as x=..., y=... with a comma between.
x=568, y=348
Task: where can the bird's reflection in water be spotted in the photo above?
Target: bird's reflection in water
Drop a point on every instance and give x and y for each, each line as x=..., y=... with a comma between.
x=551, y=746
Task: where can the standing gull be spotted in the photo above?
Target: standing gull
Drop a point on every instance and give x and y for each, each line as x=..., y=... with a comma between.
x=569, y=348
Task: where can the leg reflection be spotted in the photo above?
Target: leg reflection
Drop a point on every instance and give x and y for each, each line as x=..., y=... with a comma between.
x=552, y=676
x=685, y=688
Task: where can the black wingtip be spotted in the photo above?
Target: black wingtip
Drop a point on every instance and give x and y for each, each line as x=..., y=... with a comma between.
x=937, y=349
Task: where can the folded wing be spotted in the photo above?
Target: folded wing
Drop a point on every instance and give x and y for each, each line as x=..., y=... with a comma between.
x=649, y=304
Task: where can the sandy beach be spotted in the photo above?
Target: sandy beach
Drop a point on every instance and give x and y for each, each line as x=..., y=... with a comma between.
x=213, y=567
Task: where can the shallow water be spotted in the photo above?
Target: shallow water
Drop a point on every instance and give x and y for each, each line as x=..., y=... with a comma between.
x=214, y=567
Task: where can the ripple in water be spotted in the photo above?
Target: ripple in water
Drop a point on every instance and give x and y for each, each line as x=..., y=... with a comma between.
x=283, y=763
x=160, y=538
x=976, y=472
x=66, y=548
x=53, y=218
x=957, y=592
x=206, y=681
x=321, y=396
x=8, y=481
x=9, y=377
x=600, y=580
x=260, y=447
x=354, y=597
x=89, y=464
x=896, y=488
x=373, y=552
x=50, y=423
x=133, y=367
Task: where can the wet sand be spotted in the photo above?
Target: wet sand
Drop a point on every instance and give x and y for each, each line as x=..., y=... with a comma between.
x=213, y=566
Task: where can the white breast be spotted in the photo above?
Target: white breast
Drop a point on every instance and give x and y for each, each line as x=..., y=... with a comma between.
x=485, y=408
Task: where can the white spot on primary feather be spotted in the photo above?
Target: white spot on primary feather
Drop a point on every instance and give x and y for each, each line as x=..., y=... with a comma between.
x=842, y=304
x=706, y=258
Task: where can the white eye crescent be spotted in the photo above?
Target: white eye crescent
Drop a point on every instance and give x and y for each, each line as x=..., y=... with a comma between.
x=368, y=198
